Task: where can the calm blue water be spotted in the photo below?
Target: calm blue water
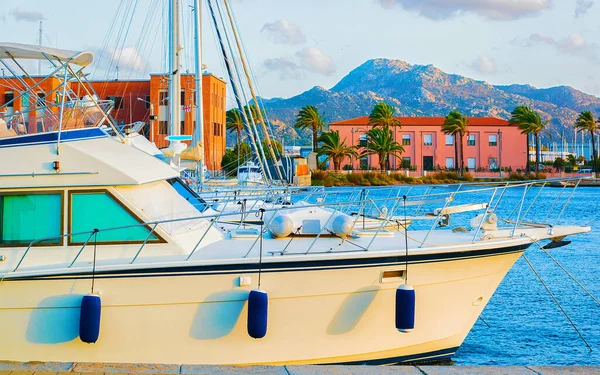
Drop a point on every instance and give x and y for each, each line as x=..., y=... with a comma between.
x=526, y=326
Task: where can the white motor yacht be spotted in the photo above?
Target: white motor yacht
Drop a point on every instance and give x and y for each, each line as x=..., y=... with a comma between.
x=105, y=256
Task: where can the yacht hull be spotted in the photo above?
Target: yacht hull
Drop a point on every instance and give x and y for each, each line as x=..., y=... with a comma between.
x=336, y=313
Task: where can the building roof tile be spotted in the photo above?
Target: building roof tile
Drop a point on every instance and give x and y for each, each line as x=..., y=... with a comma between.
x=426, y=121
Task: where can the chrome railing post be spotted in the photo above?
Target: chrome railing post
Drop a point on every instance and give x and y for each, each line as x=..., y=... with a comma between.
x=144, y=243
x=260, y=233
x=437, y=219
x=322, y=228
x=565, y=206
x=520, y=209
x=487, y=210
x=83, y=247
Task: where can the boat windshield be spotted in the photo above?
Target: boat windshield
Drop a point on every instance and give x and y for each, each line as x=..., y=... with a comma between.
x=190, y=195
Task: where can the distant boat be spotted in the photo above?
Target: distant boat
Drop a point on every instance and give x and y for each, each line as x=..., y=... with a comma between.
x=250, y=174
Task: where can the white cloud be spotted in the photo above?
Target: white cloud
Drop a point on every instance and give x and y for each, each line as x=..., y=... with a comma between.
x=315, y=60
x=582, y=7
x=484, y=65
x=491, y=9
x=26, y=15
x=311, y=60
x=287, y=69
x=284, y=32
x=128, y=59
x=574, y=44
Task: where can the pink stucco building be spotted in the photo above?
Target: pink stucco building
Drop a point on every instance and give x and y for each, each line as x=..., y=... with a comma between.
x=491, y=143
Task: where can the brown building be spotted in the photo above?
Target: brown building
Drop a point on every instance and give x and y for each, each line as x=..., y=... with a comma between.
x=133, y=101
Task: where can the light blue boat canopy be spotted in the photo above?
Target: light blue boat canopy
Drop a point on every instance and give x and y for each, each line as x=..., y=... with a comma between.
x=179, y=138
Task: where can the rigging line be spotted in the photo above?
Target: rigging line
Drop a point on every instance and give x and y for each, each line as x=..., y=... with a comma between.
x=255, y=147
x=483, y=320
x=104, y=44
x=234, y=86
x=405, y=239
x=253, y=121
x=127, y=31
x=565, y=270
x=557, y=303
x=269, y=124
x=251, y=87
x=117, y=40
x=262, y=223
x=94, y=263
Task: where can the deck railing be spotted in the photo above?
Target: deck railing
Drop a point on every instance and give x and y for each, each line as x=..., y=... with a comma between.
x=386, y=214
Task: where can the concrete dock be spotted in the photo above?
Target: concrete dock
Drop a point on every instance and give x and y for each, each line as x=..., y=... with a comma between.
x=37, y=368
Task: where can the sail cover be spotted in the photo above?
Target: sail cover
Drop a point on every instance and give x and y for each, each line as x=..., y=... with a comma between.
x=28, y=51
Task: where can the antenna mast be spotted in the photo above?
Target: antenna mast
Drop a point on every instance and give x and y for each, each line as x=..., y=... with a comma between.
x=41, y=31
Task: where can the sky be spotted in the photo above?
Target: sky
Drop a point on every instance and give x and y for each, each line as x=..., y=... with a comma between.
x=294, y=45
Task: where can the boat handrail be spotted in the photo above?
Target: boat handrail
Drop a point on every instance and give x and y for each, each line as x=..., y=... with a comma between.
x=385, y=218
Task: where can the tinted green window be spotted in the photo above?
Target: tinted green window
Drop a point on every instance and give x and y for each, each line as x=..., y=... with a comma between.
x=101, y=211
x=30, y=217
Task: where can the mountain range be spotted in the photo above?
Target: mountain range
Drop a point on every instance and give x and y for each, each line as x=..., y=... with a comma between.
x=424, y=90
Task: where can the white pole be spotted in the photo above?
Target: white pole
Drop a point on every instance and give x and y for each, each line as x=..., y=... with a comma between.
x=174, y=65
x=39, y=67
x=199, y=130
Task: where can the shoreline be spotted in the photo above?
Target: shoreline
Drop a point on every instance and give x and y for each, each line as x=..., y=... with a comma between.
x=376, y=178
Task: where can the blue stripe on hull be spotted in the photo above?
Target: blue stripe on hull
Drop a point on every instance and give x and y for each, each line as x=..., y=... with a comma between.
x=52, y=137
x=435, y=356
x=313, y=265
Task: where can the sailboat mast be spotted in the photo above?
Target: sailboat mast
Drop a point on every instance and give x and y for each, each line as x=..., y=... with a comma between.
x=174, y=66
x=198, y=138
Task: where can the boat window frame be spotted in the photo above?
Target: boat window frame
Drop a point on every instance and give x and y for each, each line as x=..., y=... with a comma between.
x=70, y=242
x=60, y=237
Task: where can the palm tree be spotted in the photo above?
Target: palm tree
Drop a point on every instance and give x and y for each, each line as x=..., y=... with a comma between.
x=309, y=118
x=383, y=115
x=530, y=122
x=457, y=125
x=586, y=122
x=334, y=149
x=380, y=142
x=234, y=123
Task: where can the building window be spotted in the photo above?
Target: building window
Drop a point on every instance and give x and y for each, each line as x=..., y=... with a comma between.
x=427, y=139
x=182, y=132
x=25, y=100
x=147, y=102
x=163, y=98
x=194, y=98
x=8, y=99
x=118, y=101
x=91, y=210
x=406, y=139
x=450, y=163
x=449, y=140
x=41, y=98
x=471, y=163
x=364, y=163
x=493, y=140
x=25, y=218
x=163, y=127
x=182, y=97
x=405, y=162
x=471, y=140
x=217, y=129
x=362, y=140
x=493, y=162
